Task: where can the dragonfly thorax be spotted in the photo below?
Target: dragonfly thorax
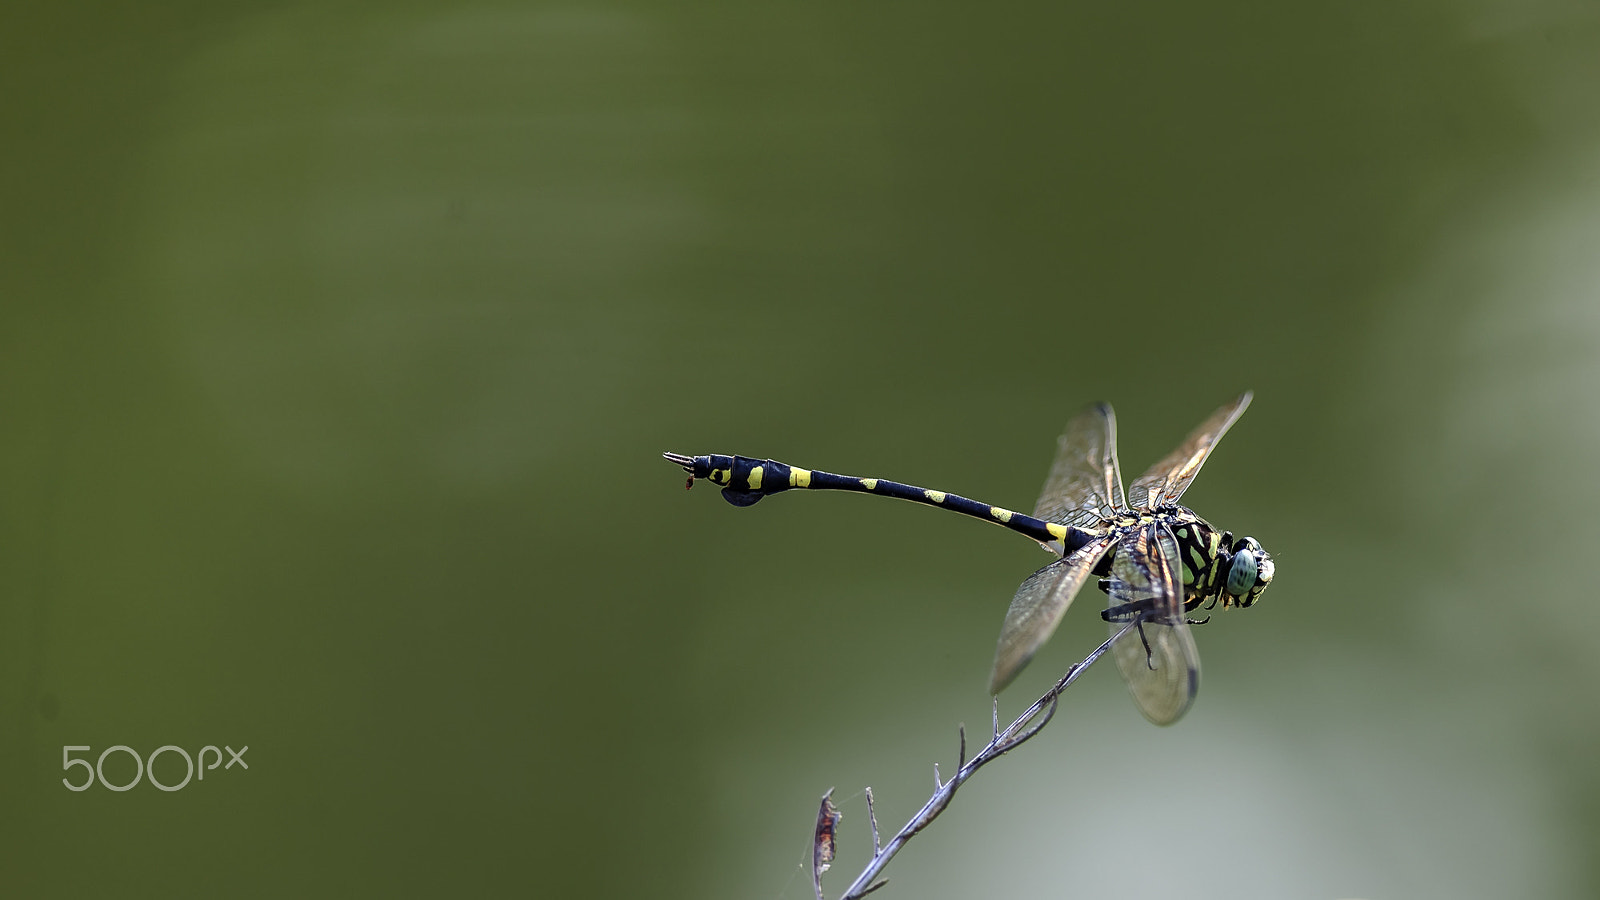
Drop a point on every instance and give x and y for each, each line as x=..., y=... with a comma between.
x=1213, y=565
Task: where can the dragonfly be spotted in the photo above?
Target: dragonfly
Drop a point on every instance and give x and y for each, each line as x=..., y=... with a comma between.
x=1156, y=561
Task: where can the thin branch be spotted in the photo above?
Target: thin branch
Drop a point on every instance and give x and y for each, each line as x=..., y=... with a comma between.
x=872, y=817
x=1031, y=722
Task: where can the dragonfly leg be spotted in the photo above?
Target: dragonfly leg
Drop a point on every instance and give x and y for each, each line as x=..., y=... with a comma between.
x=1127, y=612
x=1123, y=613
x=1149, y=656
x=1136, y=613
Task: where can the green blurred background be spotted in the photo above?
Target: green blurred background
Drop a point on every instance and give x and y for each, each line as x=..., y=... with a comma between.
x=340, y=341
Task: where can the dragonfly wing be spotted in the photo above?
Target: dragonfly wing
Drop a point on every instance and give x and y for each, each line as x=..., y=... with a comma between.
x=1085, y=483
x=1037, y=609
x=1166, y=481
x=1158, y=659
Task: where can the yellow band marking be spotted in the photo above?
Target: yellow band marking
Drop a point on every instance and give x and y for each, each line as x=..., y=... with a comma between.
x=799, y=477
x=935, y=496
x=1003, y=515
x=870, y=484
x=719, y=476
x=1059, y=532
x=754, y=479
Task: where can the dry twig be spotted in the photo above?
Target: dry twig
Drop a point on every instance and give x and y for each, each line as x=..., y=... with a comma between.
x=1031, y=722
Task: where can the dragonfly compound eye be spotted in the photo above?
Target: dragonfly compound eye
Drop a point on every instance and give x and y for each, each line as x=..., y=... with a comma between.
x=1242, y=574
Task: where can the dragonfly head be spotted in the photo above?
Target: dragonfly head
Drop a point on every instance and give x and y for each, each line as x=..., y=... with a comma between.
x=1249, y=572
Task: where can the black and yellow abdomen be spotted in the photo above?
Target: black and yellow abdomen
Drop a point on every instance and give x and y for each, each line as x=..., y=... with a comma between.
x=745, y=481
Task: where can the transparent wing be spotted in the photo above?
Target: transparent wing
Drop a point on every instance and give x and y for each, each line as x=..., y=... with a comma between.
x=1085, y=483
x=1158, y=659
x=1166, y=481
x=1037, y=609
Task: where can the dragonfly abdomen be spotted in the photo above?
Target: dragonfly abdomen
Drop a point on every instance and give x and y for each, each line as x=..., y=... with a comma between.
x=745, y=481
